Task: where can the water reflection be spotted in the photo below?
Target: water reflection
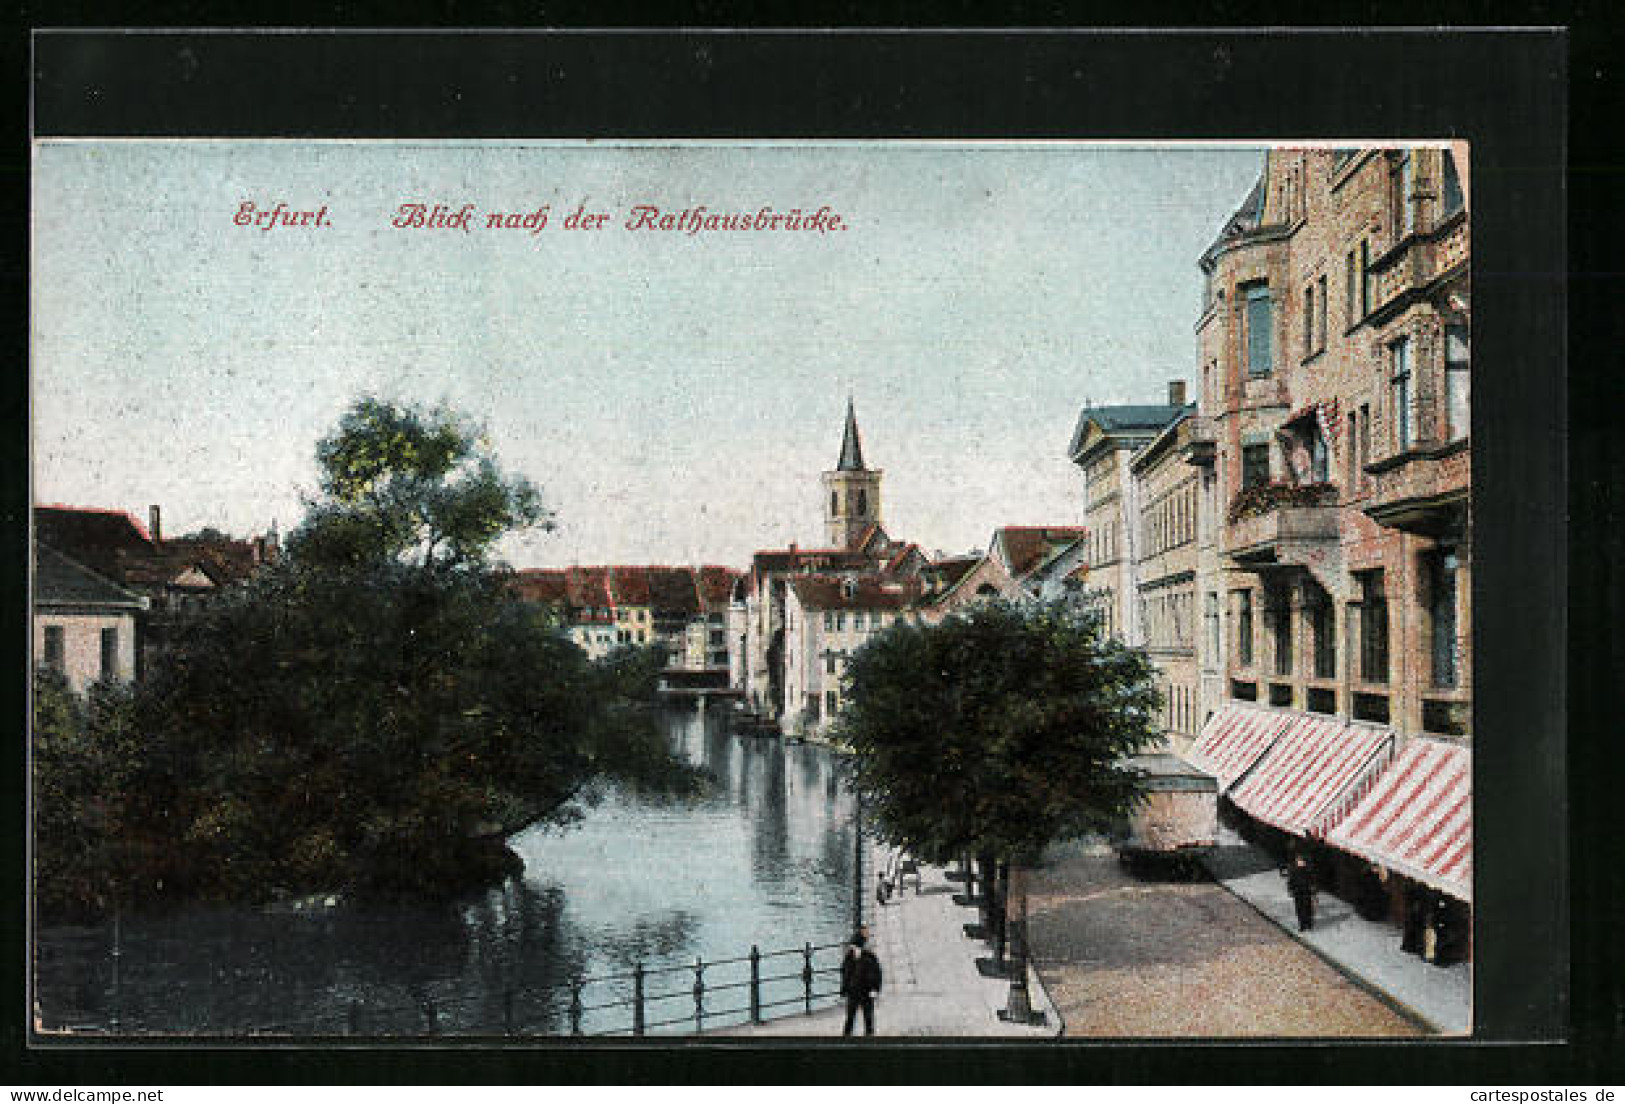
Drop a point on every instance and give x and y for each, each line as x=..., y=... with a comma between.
x=763, y=858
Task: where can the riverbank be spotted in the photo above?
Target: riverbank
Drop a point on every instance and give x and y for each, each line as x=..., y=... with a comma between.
x=932, y=985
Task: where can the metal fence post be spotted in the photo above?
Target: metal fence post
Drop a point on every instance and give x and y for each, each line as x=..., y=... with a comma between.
x=807, y=976
x=431, y=1015
x=507, y=1011
x=637, y=999
x=699, y=994
x=354, y=1020
x=575, y=1005
x=755, y=985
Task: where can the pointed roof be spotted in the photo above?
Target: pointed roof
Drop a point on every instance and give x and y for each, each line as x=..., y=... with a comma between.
x=851, y=445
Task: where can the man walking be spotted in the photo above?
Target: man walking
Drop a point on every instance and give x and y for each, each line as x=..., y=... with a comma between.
x=1300, y=883
x=860, y=981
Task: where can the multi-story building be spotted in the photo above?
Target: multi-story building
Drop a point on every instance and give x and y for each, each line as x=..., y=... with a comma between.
x=827, y=619
x=681, y=609
x=1105, y=440
x=84, y=624
x=1167, y=490
x=1334, y=351
x=858, y=548
x=1334, y=344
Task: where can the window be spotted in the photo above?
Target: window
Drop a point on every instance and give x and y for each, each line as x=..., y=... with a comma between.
x=1404, y=414
x=1349, y=300
x=1322, y=631
x=1255, y=464
x=863, y=502
x=832, y=702
x=1244, y=627
x=1373, y=627
x=835, y=502
x=1280, y=619
x=829, y=621
x=55, y=649
x=1365, y=435
x=1211, y=616
x=840, y=622
x=1354, y=471
x=1439, y=570
x=1309, y=320
x=829, y=663
x=1457, y=382
x=1365, y=279
x=1452, y=200
x=110, y=653
x=1256, y=326
x=1320, y=317
x=1401, y=212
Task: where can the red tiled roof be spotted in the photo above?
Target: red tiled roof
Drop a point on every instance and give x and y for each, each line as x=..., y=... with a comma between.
x=544, y=585
x=716, y=585
x=820, y=592
x=629, y=586
x=1026, y=547
x=587, y=586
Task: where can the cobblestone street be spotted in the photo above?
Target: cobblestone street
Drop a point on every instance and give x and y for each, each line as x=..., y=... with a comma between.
x=1123, y=957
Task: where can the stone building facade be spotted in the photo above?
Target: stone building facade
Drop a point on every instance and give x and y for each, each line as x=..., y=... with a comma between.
x=1335, y=382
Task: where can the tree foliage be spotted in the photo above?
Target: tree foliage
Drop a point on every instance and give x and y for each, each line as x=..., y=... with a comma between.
x=999, y=730
x=374, y=712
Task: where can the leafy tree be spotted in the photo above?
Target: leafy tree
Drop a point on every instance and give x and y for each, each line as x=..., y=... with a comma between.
x=997, y=731
x=373, y=712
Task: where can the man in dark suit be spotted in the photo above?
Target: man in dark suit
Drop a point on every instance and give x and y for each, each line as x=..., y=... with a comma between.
x=860, y=981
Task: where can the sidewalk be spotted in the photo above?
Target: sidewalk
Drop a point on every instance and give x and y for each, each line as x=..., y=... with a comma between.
x=1367, y=951
x=932, y=986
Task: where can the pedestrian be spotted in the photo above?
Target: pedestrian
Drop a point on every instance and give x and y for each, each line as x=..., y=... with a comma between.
x=1300, y=883
x=882, y=889
x=860, y=981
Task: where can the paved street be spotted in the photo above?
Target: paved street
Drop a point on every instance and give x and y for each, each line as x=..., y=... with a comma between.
x=1122, y=957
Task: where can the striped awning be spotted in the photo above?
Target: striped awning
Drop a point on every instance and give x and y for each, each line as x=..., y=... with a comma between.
x=1234, y=738
x=1313, y=773
x=1417, y=819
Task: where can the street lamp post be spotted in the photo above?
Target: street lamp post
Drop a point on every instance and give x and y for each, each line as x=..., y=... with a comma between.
x=857, y=860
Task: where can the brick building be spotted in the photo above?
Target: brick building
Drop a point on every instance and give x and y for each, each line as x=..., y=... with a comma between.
x=1334, y=350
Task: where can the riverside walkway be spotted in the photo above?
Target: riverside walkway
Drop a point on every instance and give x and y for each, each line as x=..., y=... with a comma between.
x=932, y=985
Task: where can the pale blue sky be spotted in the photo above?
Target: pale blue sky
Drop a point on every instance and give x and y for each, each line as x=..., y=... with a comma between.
x=675, y=397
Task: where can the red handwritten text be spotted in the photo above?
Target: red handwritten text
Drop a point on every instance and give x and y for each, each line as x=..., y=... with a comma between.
x=267, y=218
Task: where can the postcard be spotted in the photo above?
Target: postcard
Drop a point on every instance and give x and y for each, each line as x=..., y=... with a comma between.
x=532, y=590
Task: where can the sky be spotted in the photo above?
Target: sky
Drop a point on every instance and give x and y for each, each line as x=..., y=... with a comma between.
x=675, y=396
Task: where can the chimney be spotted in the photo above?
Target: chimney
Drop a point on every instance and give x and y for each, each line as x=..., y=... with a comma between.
x=155, y=524
x=1176, y=392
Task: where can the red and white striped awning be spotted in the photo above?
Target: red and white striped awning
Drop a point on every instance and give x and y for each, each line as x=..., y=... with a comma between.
x=1310, y=776
x=1417, y=819
x=1234, y=738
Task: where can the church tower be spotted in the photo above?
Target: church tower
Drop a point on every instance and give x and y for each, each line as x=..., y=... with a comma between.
x=851, y=491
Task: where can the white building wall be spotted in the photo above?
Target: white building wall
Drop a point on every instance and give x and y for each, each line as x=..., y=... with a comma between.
x=82, y=645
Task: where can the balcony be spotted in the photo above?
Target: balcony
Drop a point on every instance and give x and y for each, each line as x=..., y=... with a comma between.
x=1416, y=262
x=1201, y=446
x=1422, y=490
x=1282, y=524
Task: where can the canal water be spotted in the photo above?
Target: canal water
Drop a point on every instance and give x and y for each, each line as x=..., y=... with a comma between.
x=765, y=858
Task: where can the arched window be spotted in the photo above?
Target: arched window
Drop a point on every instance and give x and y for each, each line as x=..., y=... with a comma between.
x=863, y=502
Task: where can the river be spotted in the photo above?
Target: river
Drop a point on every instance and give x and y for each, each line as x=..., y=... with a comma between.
x=764, y=858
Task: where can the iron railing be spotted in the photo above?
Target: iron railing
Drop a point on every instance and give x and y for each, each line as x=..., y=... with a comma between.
x=748, y=989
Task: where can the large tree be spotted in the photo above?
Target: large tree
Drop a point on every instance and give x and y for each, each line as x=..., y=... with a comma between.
x=375, y=712
x=997, y=731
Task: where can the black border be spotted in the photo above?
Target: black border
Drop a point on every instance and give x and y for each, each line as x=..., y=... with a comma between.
x=1503, y=91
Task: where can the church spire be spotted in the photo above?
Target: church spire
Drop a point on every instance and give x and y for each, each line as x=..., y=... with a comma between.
x=851, y=446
